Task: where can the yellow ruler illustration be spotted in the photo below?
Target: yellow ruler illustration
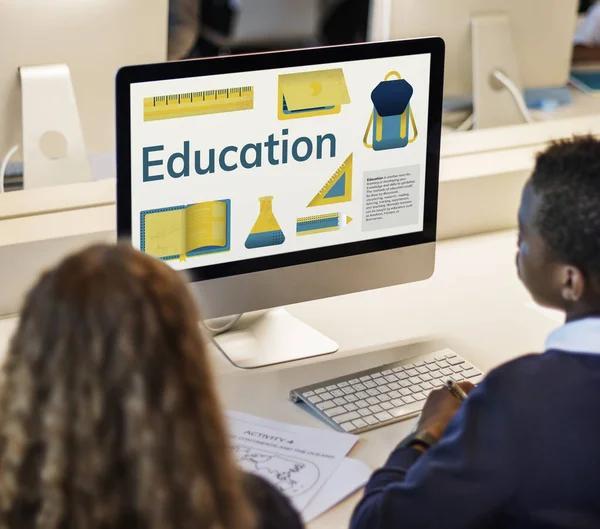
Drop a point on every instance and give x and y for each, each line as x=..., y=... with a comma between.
x=338, y=188
x=198, y=103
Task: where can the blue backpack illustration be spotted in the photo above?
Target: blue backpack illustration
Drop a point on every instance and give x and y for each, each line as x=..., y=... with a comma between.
x=392, y=117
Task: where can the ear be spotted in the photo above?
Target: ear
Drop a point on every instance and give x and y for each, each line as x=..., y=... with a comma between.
x=573, y=284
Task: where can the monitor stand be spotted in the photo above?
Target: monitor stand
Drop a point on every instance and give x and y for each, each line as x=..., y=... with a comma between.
x=272, y=337
x=53, y=148
x=493, y=50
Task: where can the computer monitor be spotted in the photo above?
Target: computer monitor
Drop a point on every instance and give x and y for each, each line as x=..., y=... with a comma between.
x=83, y=41
x=279, y=178
x=529, y=41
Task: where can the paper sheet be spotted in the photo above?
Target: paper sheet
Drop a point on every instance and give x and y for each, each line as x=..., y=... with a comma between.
x=295, y=459
x=350, y=476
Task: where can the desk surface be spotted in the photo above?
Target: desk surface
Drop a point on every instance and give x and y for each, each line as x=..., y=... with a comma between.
x=474, y=304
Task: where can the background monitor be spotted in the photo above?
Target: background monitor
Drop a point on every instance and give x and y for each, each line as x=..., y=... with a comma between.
x=94, y=38
x=284, y=177
x=530, y=41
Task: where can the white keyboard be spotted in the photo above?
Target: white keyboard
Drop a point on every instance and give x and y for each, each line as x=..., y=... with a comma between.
x=386, y=394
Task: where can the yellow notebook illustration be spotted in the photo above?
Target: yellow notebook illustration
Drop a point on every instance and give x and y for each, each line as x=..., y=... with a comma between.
x=186, y=231
x=337, y=189
x=308, y=94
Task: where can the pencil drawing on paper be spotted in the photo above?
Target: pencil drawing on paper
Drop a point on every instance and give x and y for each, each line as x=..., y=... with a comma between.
x=291, y=476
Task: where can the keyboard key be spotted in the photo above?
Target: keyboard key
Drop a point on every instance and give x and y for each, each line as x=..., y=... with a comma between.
x=383, y=416
x=319, y=391
x=326, y=396
x=376, y=409
x=455, y=361
x=383, y=398
x=348, y=426
x=419, y=363
x=450, y=355
x=340, y=401
x=476, y=380
x=373, y=400
x=443, y=363
x=315, y=399
x=447, y=372
x=332, y=387
x=402, y=376
x=362, y=404
x=364, y=413
x=354, y=381
x=419, y=396
x=349, y=390
x=332, y=412
x=414, y=380
x=456, y=369
x=343, y=384
x=394, y=386
x=412, y=372
x=470, y=373
x=325, y=405
x=408, y=400
x=430, y=361
x=309, y=394
x=405, y=383
x=435, y=374
x=337, y=393
x=426, y=386
x=387, y=372
x=351, y=407
x=405, y=392
x=383, y=388
x=391, y=378
x=405, y=410
x=440, y=358
x=370, y=384
x=350, y=416
x=426, y=377
x=351, y=398
x=371, y=420
x=359, y=423
x=394, y=394
x=422, y=370
x=373, y=392
x=398, y=369
x=362, y=394
x=365, y=378
x=386, y=405
x=359, y=387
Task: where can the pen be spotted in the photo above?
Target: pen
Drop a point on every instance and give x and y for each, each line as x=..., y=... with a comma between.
x=456, y=390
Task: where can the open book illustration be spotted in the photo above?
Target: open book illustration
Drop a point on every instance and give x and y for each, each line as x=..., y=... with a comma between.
x=186, y=231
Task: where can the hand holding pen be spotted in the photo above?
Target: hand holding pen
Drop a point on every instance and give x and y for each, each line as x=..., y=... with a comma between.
x=441, y=405
x=456, y=390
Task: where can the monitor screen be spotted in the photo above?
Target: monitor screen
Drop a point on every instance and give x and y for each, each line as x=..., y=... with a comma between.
x=233, y=168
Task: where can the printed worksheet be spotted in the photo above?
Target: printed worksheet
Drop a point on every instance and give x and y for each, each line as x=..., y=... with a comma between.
x=295, y=459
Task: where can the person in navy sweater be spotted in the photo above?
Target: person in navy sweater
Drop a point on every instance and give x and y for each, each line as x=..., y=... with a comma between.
x=523, y=449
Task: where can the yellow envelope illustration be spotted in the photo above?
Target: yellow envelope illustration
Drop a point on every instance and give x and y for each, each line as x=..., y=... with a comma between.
x=308, y=94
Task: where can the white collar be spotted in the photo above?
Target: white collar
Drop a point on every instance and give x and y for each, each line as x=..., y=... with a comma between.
x=579, y=336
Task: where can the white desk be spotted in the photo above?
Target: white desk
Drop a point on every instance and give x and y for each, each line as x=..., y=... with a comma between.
x=474, y=304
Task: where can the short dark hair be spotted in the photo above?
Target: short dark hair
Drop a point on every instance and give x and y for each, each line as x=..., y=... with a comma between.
x=567, y=180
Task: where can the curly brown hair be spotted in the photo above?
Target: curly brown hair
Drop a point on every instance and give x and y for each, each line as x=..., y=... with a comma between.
x=109, y=417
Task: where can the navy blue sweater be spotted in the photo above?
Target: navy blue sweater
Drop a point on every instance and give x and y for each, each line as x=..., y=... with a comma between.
x=522, y=452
